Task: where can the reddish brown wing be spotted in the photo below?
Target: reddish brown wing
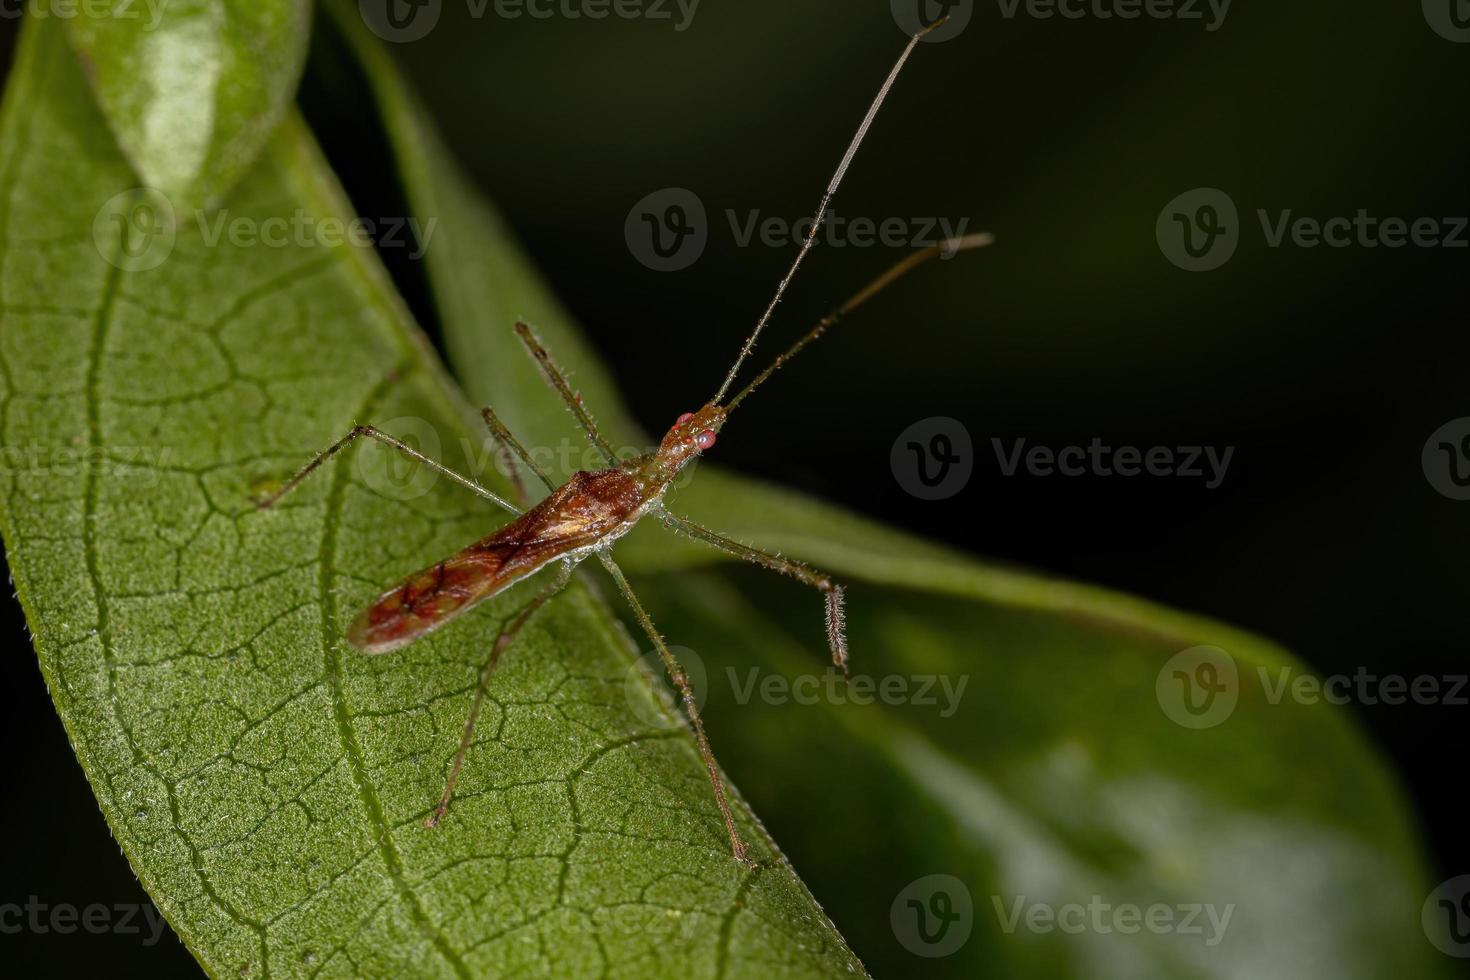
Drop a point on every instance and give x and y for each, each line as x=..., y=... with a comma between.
x=574, y=516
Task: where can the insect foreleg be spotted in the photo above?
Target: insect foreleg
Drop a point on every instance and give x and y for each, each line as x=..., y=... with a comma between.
x=507, y=634
x=557, y=380
x=387, y=440
x=835, y=615
x=503, y=435
x=681, y=681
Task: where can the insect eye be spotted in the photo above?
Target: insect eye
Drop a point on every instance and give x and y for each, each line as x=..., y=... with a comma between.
x=705, y=439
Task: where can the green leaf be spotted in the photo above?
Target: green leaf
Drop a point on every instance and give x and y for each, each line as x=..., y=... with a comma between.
x=267, y=783
x=192, y=89
x=1058, y=779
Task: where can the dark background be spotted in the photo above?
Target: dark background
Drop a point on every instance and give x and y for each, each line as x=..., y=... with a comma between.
x=1326, y=368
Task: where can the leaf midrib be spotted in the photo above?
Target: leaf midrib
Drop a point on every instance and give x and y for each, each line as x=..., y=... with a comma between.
x=367, y=793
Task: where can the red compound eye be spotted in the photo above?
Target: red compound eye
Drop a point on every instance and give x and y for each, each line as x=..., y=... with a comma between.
x=684, y=418
x=705, y=439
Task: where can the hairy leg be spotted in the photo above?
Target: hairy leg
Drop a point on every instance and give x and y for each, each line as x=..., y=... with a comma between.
x=509, y=442
x=369, y=432
x=832, y=592
x=507, y=634
x=681, y=681
x=557, y=380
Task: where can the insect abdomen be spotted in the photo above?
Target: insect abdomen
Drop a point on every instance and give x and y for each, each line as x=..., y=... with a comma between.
x=430, y=598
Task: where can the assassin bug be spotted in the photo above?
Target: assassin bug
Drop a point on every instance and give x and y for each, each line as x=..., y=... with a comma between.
x=585, y=515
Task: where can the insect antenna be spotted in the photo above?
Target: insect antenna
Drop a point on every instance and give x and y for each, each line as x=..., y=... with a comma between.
x=947, y=247
x=817, y=219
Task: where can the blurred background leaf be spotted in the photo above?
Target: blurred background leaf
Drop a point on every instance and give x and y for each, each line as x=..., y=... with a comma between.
x=192, y=89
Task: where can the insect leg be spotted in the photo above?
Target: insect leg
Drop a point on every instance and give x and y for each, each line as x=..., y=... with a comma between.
x=507, y=634
x=681, y=681
x=387, y=440
x=558, y=381
x=836, y=634
x=507, y=441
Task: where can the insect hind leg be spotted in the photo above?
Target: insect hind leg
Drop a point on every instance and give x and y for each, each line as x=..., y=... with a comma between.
x=507, y=634
x=368, y=431
x=686, y=694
